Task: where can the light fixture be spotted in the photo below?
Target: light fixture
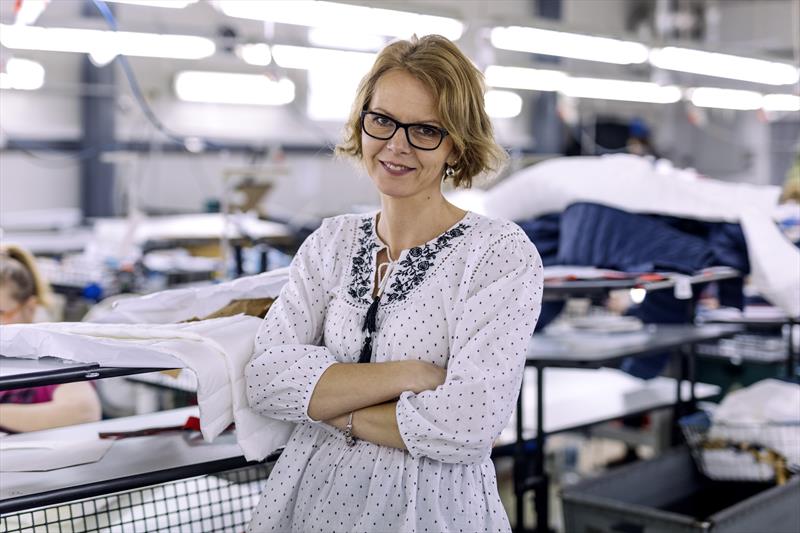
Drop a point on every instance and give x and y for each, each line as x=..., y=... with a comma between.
x=725, y=98
x=572, y=45
x=781, y=102
x=254, y=54
x=172, y=4
x=104, y=45
x=333, y=38
x=724, y=66
x=628, y=91
x=22, y=74
x=344, y=18
x=524, y=78
x=303, y=57
x=502, y=104
x=232, y=88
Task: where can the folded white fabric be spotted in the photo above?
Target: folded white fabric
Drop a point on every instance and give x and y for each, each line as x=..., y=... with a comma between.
x=176, y=305
x=624, y=181
x=769, y=400
x=215, y=350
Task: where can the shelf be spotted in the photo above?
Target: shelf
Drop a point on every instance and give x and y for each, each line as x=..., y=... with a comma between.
x=16, y=373
x=596, y=349
x=129, y=464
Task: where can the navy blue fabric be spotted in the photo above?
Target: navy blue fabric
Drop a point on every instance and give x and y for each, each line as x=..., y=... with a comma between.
x=597, y=235
x=543, y=231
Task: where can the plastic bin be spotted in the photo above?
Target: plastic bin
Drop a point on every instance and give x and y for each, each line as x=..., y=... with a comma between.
x=668, y=494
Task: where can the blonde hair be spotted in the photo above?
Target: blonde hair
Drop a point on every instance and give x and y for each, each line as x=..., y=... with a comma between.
x=18, y=268
x=458, y=90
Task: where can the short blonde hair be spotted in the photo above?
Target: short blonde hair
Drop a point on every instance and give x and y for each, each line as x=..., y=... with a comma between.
x=458, y=89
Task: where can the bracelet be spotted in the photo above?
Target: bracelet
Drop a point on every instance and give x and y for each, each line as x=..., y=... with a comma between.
x=349, y=439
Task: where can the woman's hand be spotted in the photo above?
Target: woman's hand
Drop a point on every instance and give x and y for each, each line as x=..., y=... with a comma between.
x=421, y=375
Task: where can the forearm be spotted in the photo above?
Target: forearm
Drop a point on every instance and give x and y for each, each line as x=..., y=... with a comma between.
x=376, y=424
x=72, y=403
x=37, y=416
x=346, y=387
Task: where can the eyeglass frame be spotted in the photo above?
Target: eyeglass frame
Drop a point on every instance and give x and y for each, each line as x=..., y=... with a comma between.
x=400, y=125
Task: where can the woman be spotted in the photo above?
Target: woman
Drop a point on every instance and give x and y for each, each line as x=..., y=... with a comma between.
x=22, y=293
x=398, y=344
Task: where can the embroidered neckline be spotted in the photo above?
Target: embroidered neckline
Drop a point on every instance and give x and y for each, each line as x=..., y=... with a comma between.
x=410, y=270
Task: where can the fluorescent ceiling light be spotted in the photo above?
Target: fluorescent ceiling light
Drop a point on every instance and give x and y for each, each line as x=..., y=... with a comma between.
x=345, y=18
x=333, y=38
x=104, y=45
x=628, y=91
x=173, y=4
x=524, y=78
x=781, y=102
x=255, y=54
x=303, y=57
x=228, y=88
x=724, y=66
x=573, y=45
x=725, y=98
x=502, y=104
x=22, y=74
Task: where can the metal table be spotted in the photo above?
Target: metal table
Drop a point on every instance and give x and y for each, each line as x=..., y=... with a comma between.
x=658, y=338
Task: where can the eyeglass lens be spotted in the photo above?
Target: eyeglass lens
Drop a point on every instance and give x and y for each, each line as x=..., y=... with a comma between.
x=418, y=135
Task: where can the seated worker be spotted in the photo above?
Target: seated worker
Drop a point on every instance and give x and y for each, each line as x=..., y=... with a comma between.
x=22, y=292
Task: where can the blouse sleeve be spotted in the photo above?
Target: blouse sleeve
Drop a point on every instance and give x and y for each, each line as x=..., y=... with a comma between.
x=288, y=360
x=460, y=420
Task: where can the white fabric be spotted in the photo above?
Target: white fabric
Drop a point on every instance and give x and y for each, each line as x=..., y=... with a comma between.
x=473, y=311
x=176, y=305
x=769, y=400
x=215, y=350
x=42, y=456
x=774, y=261
x=637, y=185
x=766, y=413
x=626, y=182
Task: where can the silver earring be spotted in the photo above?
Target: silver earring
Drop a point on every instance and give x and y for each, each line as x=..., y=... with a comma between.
x=449, y=171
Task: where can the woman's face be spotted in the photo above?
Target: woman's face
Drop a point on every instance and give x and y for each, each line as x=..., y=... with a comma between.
x=398, y=169
x=12, y=311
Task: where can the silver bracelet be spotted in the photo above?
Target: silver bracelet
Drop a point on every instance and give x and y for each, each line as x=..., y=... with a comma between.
x=349, y=439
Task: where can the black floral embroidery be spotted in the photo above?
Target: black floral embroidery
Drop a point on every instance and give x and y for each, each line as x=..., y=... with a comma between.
x=411, y=270
x=361, y=269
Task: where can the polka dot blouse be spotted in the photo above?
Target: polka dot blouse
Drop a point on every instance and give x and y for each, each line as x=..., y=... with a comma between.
x=467, y=300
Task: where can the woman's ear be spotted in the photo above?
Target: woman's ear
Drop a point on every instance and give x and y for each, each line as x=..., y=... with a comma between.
x=28, y=309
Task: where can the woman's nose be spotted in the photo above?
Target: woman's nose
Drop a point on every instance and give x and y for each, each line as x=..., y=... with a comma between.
x=399, y=142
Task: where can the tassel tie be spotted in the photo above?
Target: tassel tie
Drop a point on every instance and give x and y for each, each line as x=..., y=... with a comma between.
x=371, y=320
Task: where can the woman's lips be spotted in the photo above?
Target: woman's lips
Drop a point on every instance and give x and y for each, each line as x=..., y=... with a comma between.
x=395, y=170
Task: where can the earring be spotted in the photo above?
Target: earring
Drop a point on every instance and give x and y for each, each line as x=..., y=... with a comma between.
x=449, y=171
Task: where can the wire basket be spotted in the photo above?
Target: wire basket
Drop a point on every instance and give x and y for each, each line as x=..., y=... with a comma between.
x=743, y=452
x=217, y=503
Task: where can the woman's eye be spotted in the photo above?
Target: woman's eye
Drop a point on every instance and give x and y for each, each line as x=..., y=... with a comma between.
x=427, y=131
x=382, y=121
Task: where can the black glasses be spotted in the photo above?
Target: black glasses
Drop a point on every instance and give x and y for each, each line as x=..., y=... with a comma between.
x=421, y=136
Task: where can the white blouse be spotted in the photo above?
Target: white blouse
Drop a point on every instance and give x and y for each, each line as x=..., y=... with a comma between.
x=467, y=300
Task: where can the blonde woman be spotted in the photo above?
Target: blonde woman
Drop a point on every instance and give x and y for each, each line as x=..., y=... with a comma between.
x=22, y=293
x=398, y=344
